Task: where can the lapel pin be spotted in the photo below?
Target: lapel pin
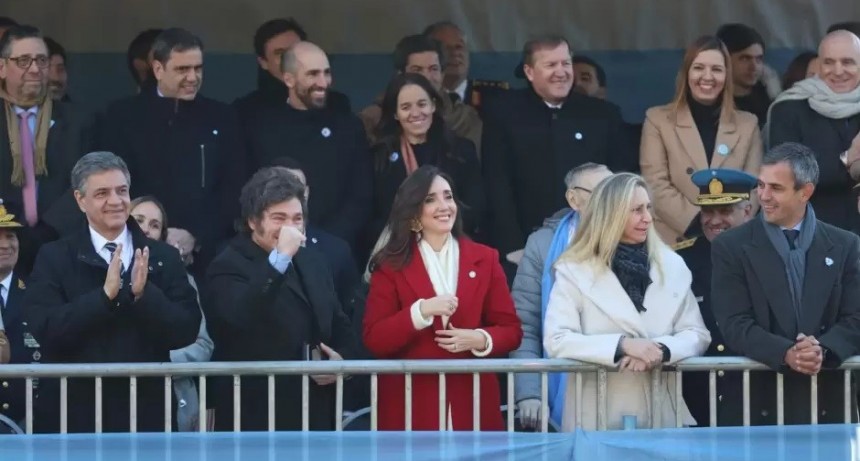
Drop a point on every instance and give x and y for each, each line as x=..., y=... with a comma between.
x=326, y=132
x=472, y=274
x=52, y=124
x=21, y=285
x=215, y=132
x=393, y=157
x=314, y=239
x=578, y=136
x=828, y=261
x=723, y=149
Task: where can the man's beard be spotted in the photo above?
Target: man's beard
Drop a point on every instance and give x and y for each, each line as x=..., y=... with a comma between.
x=310, y=103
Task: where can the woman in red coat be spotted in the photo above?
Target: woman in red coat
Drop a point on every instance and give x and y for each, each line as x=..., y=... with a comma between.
x=434, y=294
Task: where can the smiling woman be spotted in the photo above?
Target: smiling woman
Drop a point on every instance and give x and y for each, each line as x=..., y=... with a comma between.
x=699, y=129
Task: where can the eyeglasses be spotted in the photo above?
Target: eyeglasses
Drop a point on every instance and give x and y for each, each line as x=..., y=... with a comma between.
x=24, y=62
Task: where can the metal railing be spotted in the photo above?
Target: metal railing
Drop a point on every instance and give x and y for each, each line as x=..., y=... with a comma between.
x=408, y=368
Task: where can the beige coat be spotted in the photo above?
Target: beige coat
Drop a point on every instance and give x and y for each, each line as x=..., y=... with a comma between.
x=671, y=151
x=587, y=314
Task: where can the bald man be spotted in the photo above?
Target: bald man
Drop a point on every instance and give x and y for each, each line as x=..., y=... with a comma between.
x=823, y=113
x=330, y=144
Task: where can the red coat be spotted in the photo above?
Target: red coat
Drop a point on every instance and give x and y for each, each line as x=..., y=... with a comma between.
x=484, y=302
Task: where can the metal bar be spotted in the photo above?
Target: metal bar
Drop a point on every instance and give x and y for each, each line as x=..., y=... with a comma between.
x=132, y=404
x=746, y=398
x=98, y=404
x=271, y=394
x=655, y=398
x=29, y=405
x=168, y=404
x=813, y=400
x=847, y=396
x=407, y=414
x=64, y=405
x=578, y=415
x=443, y=400
x=679, y=398
x=338, y=404
x=476, y=402
x=601, y=400
x=201, y=413
x=306, y=389
x=237, y=403
x=780, y=399
x=544, y=403
x=712, y=397
x=511, y=404
x=374, y=401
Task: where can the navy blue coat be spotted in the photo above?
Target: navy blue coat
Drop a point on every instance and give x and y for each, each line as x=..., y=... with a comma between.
x=25, y=349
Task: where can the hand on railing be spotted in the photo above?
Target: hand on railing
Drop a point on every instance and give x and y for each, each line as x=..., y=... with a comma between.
x=805, y=356
x=529, y=413
x=325, y=380
x=642, y=349
x=633, y=364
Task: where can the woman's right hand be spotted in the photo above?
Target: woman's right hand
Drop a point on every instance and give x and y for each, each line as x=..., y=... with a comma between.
x=440, y=305
x=643, y=349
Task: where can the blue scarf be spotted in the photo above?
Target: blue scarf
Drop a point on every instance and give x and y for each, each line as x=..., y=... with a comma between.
x=557, y=381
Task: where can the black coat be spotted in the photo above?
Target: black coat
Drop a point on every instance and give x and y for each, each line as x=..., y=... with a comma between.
x=754, y=310
x=333, y=151
x=338, y=254
x=70, y=137
x=189, y=155
x=460, y=162
x=271, y=92
x=253, y=312
x=25, y=349
x=795, y=121
x=528, y=148
x=75, y=322
x=696, y=386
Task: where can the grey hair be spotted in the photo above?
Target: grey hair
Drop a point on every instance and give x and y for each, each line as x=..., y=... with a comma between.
x=269, y=186
x=97, y=162
x=437, y=26
x=800, y=159
x=574, y=174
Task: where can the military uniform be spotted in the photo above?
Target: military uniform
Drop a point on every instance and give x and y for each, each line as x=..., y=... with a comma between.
x=477, y=92
x=718, y=187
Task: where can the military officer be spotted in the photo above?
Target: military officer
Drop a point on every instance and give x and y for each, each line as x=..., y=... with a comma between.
x=15, y=338
x=724, y=198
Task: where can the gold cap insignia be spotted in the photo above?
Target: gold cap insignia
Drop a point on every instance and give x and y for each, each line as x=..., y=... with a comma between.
x=715, y=187
x=6, y=219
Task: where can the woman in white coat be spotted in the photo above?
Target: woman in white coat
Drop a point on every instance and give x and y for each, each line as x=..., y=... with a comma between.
x=622, y=299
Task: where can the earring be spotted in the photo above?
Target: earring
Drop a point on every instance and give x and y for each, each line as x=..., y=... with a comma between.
x=415, y=226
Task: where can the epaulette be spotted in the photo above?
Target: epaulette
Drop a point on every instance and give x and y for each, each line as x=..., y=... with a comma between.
x=684, y=244
x=491, y=84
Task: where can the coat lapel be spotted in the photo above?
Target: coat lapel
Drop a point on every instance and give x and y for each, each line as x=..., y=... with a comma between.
x=727, y=135
x=818, y=280
x=606, y=292
x=469, y=276
x=417, y=277
x=688, y=134
x=770, y=270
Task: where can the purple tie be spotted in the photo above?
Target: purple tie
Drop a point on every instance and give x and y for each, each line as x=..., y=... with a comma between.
x=29, y=189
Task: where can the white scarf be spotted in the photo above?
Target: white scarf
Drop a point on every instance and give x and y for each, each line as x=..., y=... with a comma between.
x=821, y=99
x=442, y=267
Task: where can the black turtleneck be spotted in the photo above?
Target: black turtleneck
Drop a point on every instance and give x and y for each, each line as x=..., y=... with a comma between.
x=707, y=120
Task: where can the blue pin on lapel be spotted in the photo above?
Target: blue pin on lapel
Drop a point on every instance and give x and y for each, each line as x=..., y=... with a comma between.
x=723, y=149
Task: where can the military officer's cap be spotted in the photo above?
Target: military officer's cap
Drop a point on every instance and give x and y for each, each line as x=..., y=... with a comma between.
x=722, y=186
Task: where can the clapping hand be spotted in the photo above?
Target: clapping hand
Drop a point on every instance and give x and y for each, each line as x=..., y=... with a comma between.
x=113, y=280
x=139, y=272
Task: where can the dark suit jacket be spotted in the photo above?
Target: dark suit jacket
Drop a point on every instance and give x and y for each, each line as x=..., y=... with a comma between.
x=528, y=148
x=25, y=349
x=69, y=139
x=343, y=268
x=75, y=322
x=795, y=121
x=753, y=308
x=253, y=312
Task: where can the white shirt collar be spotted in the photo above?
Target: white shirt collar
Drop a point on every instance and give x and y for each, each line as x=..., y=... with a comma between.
x=553, y=106
x=7, y=284
x=33, y=110
x=124, y=237
x=461, y=90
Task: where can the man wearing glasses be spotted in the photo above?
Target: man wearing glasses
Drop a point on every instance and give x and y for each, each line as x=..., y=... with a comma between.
x=40, y=141
x=533, y=283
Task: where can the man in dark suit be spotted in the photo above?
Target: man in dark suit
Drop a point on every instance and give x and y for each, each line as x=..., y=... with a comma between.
x=268, y=298
x=108, y=294
x=533, y=136
x=458, y=85
x=20, y=347
x=180, y=146
x=724, y=198
x=40, y=140
x=785, y=288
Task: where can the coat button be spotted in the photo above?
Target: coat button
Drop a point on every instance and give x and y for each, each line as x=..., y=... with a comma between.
x=5, y=406
x=690, y=171
x=721, y=373
x=721, y=348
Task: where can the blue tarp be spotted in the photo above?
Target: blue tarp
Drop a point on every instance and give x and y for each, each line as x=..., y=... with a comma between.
x=825, y=443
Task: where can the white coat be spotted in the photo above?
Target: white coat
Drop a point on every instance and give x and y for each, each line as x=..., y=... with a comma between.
x=589, y=311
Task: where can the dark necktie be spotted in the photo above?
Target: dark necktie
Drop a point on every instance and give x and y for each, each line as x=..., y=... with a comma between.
x=2, y=303
x=455, y=97
x=791, y=235
x=111, y=247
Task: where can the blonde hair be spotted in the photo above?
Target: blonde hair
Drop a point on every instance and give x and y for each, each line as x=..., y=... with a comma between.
x=603, y=221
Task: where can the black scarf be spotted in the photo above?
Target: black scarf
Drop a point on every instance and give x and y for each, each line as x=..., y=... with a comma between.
x=630, y=264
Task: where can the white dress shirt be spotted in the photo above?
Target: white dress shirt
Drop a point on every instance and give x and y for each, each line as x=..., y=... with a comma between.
x=124, y=238
x=461, y=90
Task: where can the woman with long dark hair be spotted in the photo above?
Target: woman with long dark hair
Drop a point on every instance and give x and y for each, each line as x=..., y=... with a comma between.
x=435, y=294
x=412, y=133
